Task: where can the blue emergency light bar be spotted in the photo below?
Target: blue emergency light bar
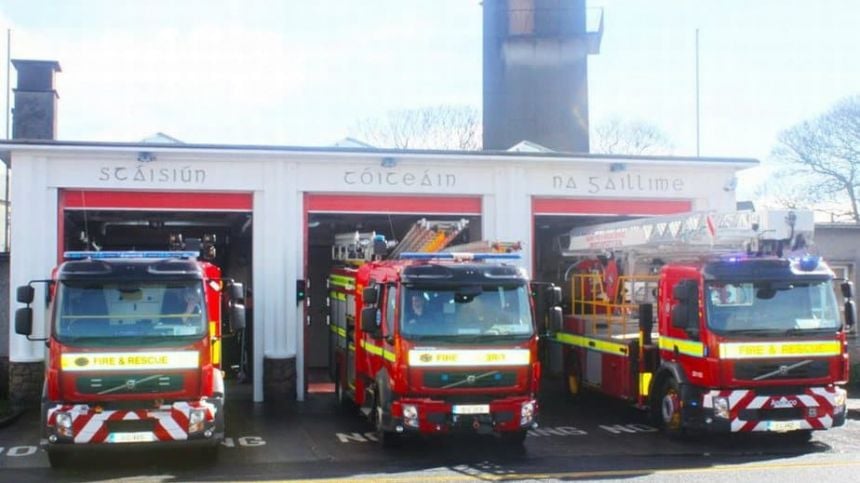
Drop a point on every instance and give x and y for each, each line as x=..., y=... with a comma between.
x=459, y=256
x=126, y=254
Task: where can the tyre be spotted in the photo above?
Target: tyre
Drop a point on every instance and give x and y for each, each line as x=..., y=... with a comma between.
x=209, y=454
x=572, y=378
x=802, y=436
x=58, y=459
x=388, y=439
x=514, y=438
x=668, y=408
x=343, y=401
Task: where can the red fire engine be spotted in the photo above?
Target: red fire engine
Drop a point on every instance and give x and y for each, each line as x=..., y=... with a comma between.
x=748, y=337
x=433, y=342
x=134, y=351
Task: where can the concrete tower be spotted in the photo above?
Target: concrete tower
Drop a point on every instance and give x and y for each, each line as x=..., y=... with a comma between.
x=536, y=73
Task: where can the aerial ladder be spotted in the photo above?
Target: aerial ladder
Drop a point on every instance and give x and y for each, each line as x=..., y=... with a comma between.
x=425, y=236
x=691, y=234
x=616, y=262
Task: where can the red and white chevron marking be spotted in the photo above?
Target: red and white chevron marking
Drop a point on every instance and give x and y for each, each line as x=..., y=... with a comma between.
x=90, y=426
x=821, y=400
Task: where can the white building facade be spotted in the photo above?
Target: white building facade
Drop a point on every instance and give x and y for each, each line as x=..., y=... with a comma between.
x=279, y=187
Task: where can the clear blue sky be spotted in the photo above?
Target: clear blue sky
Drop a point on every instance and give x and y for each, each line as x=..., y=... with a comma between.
x=303, y=72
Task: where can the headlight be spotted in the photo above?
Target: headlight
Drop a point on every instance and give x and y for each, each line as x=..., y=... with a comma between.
x=410, y=415
x=64, y=424
x=840, y=398
x=196, y=420
x=527, y=413
x=721, y=407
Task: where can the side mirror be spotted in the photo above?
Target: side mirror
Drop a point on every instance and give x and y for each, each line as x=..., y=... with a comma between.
x=236, y=291
x=847, y=289
x=369, y=322
x=556, y=319
x=370, y=295
x=24, y=321
x=850, y=314
x=25, y=294
x=237, y=317
x=553, y=295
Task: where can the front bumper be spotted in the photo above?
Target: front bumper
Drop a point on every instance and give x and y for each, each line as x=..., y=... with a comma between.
x=440, y=417
x=201, y=442
x=764, y=410
x=185, y=423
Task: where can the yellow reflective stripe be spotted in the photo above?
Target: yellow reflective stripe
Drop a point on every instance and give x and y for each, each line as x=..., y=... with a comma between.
x=351, y=346
x=469, y=357
x=644, y=383
x=377, y=350
x=686, y=347
x=759, y=350
x=216, y=343
x=337, y=295
x=338, y=330
x=590, y=343
x=342, y=281
x=125, y=361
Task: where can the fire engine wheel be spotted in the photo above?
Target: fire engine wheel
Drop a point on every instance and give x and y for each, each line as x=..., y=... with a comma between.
x=514, y=438
x=572, y=380
x=802, y=436
x=344, y=403
x=58, y=459
x=670, y=408
x=209, y=454
x=388, y=439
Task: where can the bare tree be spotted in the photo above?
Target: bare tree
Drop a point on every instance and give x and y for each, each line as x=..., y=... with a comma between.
x=630, y=137
x=437, y=127
x=819, y=160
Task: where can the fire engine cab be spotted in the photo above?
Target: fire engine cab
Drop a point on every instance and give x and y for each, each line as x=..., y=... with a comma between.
x=715, y=322
x=434, y=342
x=134, y=351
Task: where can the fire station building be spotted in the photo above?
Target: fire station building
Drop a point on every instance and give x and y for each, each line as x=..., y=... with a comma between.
x=274, y=211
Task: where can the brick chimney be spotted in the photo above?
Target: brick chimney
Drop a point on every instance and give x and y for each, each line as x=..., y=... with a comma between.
x=35, y=113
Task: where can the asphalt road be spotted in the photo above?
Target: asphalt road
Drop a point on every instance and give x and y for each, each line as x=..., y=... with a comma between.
x=595, y=439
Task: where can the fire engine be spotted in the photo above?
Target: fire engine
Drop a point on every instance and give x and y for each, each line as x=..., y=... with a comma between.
x=749, y=335
x=134, y=351
x=429, y=342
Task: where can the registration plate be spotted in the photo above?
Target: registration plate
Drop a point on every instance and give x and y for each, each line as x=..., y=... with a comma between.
x=783, y=426
x=141, y=437
x=471, y=409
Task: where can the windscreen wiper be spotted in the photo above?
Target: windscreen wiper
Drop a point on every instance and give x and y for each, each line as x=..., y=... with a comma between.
x=756, y=332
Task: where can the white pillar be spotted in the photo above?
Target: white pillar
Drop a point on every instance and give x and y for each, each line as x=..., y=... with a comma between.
x=296, y=267
x=34, y=238
x=274, y=289
x=507, y=214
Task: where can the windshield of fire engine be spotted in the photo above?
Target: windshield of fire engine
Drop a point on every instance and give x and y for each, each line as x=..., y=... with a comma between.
x=121, y=312
x=772, y=307
x=472, y=313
